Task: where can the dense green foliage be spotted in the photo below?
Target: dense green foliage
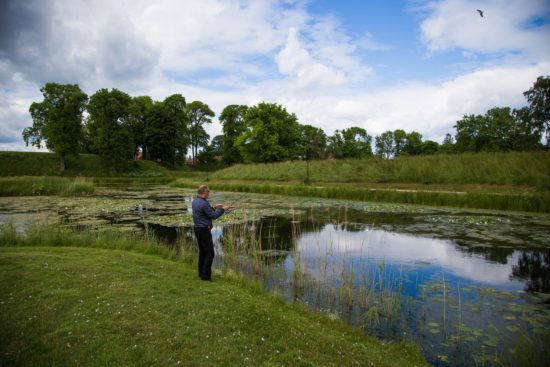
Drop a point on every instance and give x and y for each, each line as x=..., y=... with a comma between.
x=57, y=120
x=166, y=131
x=98, y=305
x=232, y=119
x=198, y=114
x=501, y=129
x=271, y=134
x=108, y=125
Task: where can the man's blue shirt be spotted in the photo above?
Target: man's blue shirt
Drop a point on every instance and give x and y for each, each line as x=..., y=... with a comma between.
x=203, y=213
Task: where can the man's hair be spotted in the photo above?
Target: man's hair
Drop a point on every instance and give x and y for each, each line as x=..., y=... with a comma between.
x=202, y=189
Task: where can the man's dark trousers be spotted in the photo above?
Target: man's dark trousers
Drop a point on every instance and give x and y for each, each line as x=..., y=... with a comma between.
x=206, y=252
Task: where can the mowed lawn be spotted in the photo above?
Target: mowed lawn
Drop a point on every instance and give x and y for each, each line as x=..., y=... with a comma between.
x=101, y=307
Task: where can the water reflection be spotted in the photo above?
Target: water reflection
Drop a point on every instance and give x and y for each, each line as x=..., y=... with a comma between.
x=534, y=269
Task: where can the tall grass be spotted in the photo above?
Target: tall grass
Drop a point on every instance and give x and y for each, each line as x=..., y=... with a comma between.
x=516, y=168
x=63, y=236
x=36, y=186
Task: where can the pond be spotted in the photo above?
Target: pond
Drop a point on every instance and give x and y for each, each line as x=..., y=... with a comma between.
x=470, y=287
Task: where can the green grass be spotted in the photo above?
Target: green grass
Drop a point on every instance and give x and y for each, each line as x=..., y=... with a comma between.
x=88, y=165
x=34, y=186
x=530, y=169
x=99, y=305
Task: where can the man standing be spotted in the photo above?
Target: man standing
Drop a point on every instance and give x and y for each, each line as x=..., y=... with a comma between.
x=203, y=214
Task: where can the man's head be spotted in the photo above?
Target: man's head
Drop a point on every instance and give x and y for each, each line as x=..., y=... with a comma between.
x=203, y=191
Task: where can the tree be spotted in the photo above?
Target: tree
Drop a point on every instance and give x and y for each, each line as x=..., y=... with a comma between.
x=429, y=147
x=57, y=120
x=313, y=142
x=357, y=143
x=336, y=145
x=198, y=114
x=167, y=132
x=385, y=145
x=447, y=146
x=538, y=97
x=138, y=119
x=271, y=135
x=400, y=140
x=500, y=129
x=232, y=119
x=111, y=137
x=413, y=144
x=213, y=151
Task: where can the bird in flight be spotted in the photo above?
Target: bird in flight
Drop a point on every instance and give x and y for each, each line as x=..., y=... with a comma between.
x=480, y=12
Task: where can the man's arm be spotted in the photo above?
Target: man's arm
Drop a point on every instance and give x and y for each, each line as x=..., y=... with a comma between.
x=210, y=212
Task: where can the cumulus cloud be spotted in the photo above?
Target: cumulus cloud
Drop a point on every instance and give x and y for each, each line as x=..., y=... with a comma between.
x=507, y=26
x=245, y=52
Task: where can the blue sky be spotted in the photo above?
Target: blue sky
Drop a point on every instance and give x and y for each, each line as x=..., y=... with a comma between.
x=381, y=65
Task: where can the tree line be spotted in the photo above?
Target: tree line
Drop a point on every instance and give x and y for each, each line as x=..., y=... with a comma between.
x=113, y=124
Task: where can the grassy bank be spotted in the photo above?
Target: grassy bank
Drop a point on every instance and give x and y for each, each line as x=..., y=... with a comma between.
x=526, y=201
x=529, y=169
x=88, y=165
x=33, y=186
x=94, y=306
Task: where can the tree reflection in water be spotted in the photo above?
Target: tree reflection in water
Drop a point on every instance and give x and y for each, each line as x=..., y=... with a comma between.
x=534, y=268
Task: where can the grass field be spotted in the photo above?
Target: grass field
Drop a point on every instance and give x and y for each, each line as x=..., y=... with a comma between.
x=122, y=301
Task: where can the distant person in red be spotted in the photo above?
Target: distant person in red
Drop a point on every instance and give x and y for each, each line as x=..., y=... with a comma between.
x=203, y=213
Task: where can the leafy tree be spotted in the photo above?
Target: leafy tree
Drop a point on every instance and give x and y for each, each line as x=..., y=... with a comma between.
x=213, y=151
x=232, y=119
x=167, y=134
x=500, y=129
x=111, y=136
x=313, y=142
x=528, y=130
x=538, y=97
x=413, y=144
x=336, y=145
x=57, y=120
x=271, y=135
x=198, y=114
x=357, y=143
x=447, y=146
x=385, y=145
x=429, y=147
x=138, y=119
x=400, y=140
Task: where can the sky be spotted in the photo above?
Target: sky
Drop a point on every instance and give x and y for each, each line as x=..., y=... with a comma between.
x=381, y=65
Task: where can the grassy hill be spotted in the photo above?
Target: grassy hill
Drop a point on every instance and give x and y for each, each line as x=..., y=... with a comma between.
x=100, y=305
x=88, y=165
x=529, y=169
x=503, y=181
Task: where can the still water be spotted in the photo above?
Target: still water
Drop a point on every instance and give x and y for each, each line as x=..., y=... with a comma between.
x=470, y=287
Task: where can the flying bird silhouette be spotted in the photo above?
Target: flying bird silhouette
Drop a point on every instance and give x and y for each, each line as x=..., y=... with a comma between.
x=480, y=12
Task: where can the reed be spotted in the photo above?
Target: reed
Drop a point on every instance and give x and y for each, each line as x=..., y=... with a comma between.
x=38, y=186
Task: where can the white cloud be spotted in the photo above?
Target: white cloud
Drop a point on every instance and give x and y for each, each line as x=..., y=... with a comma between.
x=503, y=28
x=244, y=52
